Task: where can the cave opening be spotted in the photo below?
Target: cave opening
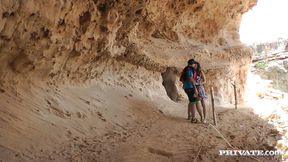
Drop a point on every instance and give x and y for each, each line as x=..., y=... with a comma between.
x=264, y=23
x=169, y=78
x=264, y=30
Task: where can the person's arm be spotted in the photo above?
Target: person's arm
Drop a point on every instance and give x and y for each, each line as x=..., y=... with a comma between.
x=194, y=85
x=203, y=78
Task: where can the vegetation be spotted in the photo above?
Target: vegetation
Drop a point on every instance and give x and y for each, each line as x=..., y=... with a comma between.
x=260, y=65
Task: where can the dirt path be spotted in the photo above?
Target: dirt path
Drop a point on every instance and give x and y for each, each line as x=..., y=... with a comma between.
x=123, y=127
x=165, y=138
x=174, y=139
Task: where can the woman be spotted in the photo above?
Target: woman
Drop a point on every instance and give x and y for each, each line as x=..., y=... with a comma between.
x=200, y=80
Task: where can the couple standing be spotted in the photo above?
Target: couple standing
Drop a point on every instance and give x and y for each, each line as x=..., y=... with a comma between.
x=193, y=79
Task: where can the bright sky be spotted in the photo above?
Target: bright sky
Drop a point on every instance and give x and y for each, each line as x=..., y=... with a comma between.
x=267, y=21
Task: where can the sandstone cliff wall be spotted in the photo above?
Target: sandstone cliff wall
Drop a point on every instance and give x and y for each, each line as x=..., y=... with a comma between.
x=71, y=71
x=83, y=41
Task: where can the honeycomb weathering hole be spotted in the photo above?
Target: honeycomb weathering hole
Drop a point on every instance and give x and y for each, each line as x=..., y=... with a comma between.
x=169, y=82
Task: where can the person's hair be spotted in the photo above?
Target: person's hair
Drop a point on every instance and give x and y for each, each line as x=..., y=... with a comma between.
x=191, y=61
x=198, y=70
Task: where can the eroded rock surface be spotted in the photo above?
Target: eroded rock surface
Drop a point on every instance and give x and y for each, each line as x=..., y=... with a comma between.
x=76, y=41
x=73, y=72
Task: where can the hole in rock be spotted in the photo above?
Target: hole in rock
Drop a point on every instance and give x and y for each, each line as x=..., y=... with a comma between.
x=84, y=21
x=2, y=90
x=198, y=8
x=192, y=1
x=169, y=82
x=103, y=29
x=95, y=1
x=45, y=32
x=61, y=22
x=138, y=12
x=103, y=8
x=5, y=14
x=34, y=36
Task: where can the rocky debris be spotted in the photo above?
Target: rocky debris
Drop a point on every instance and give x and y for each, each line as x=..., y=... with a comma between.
x=279, y=119
x=276, y=71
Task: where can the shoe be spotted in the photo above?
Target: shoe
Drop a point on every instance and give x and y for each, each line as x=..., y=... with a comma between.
x=188, y=118
x=204, y=121
x=194, y=120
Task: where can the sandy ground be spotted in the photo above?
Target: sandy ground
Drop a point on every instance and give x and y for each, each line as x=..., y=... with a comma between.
x=100, y=123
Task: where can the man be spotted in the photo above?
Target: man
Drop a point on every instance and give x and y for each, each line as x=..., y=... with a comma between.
x=188, y=79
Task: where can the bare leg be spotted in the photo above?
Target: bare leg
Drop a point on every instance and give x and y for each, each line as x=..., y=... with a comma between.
x=189, y=110
x=192, y=110
x=199, y=111
x=204, y=108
